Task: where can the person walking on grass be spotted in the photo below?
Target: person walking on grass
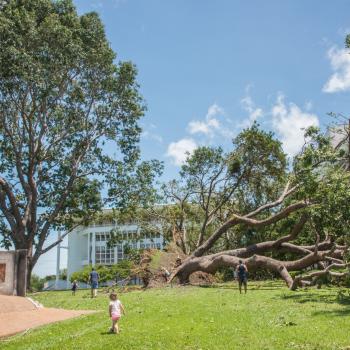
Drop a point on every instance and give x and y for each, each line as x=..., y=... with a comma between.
x=93, y=280
x=116, y=308
x=74, y=287
x=242, y=272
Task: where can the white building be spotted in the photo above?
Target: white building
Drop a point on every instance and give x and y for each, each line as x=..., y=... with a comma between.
x=87, y=245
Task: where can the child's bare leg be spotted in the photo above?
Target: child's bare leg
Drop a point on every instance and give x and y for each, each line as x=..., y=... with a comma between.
x=116, y=327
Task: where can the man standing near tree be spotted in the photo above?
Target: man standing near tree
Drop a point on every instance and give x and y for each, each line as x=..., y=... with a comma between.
x=93, y=280
x=242, y=271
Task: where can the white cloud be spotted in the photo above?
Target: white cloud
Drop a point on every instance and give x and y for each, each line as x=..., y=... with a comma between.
x=207, y=131
x=149, y=133
x=254, y=113
x=340, y=64
x=290, y=122
x=214, y=110
x=206, y=127
x=209, y=125
x=179, y=150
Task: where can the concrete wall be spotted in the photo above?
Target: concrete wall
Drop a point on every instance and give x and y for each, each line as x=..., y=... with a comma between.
x=13, y=272
x=7, y=267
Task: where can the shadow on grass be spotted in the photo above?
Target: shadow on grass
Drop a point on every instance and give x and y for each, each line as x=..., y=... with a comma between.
x=342, y=312
x=108, y=333
x=234, y=286
x=313, y=297
x=310, y=297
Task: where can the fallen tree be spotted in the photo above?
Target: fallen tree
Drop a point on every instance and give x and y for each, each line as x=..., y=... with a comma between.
x=326, y=251
x=313, y=201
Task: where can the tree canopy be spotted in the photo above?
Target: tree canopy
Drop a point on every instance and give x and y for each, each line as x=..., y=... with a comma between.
x=69, y=118
x=247, y=203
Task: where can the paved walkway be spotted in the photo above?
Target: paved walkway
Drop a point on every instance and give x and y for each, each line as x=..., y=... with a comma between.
x=19, y=314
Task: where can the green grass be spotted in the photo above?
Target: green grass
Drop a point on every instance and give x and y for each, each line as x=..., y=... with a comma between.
x=268, y=317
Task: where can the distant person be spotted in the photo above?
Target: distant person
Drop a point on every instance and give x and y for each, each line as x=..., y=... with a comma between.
x=166, y=273
x=115, y=310
x=74, y=287
x=242, y=274
x=93, y=280
x=178, y=262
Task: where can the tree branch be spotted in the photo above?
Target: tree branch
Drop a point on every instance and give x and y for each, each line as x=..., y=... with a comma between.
x=235, y=220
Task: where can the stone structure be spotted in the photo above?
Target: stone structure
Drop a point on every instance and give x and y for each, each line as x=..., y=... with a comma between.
x=13, y=272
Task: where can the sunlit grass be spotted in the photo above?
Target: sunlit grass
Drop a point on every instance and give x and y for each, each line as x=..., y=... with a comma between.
x=268, y=317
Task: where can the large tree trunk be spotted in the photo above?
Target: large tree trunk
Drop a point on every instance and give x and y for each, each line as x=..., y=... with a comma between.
x=29, y=274
x=251, y=255
x=211, y=263
x=31, y=261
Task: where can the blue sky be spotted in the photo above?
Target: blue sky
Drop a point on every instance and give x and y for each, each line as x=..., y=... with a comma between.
x=209, y=68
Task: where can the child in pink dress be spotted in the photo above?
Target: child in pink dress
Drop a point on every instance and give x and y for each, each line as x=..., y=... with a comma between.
x=115, y=310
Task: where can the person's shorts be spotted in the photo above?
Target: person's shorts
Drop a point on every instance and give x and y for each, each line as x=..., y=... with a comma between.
x=115, y=316
x=242, y=280
x=94, y=285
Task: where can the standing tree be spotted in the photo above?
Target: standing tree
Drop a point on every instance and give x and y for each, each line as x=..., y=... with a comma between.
x=68, y=120
x=212, y=185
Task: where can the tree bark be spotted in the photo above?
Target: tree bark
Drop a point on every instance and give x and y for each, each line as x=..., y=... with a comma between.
x=247, y=220
x=210, y=264
x=251, y=255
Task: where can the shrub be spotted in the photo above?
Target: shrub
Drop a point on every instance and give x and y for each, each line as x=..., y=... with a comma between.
x=36, y=283
x=106, y=273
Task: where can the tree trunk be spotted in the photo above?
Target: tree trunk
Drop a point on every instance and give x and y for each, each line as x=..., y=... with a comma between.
x=30, y=265
x=210, y=264
x=29, y=274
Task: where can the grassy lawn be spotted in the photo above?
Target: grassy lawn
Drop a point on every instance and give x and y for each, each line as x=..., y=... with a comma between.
x=268, y=317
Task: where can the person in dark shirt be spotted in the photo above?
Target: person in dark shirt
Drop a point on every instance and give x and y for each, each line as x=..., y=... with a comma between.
x=93, y=280
x=242, y=272
x=74, y=287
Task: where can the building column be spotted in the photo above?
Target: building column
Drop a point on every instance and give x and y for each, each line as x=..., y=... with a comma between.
x=88, y=247
x=93, y=252
x=115, y=254
x=58, y=260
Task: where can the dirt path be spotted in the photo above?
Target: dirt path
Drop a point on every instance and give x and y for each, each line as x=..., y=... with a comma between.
x=20, y=314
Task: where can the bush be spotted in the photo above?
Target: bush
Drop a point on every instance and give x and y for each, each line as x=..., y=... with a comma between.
x=106, y=273
x=225, y=274
x=36, y=283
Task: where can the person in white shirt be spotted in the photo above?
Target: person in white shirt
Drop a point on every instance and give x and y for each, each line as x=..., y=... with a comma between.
x=116, y=308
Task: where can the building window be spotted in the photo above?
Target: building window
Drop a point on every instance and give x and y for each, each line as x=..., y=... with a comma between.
x=104, y=255
x=120, y=252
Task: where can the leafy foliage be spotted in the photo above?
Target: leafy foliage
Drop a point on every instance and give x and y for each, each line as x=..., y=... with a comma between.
x=106, y=273
x=68, y=123
x=37, y=283
x=214, y=185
